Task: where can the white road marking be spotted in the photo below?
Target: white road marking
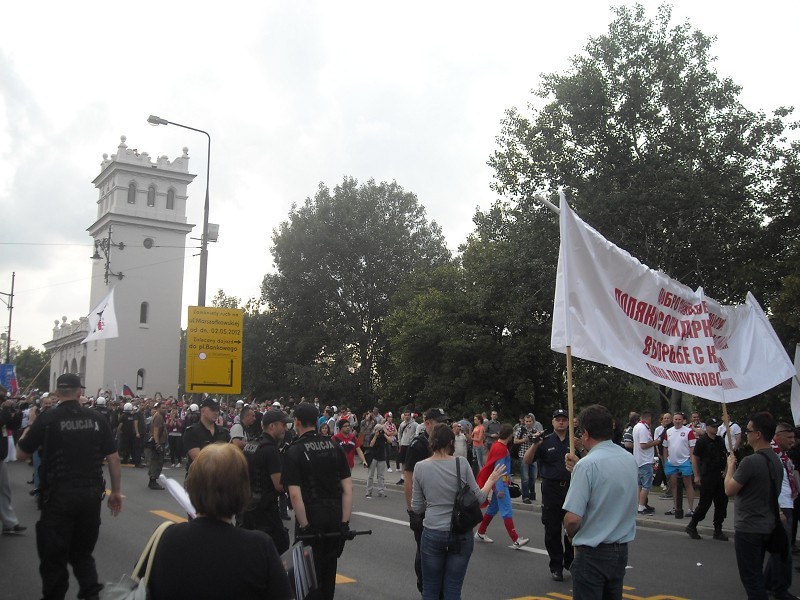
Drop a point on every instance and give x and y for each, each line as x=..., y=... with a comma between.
x=405, y=523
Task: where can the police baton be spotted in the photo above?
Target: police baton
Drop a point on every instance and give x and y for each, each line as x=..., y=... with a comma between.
x=319, y=536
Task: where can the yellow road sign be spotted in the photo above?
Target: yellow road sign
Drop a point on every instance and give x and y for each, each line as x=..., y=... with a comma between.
x=214, y=350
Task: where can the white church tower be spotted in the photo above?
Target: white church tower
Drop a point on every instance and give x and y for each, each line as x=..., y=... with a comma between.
x=140, y=248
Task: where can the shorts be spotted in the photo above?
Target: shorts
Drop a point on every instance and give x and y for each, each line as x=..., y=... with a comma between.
x=685, y=468
x=646, y=477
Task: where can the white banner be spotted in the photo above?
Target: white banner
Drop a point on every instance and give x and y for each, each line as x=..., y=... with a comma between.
x=615, y=311
x=795, y=398
x=103, y=320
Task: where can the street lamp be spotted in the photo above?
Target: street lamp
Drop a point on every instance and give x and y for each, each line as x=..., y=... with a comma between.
x=201, y=294
x=10, y=305
x=104, y=246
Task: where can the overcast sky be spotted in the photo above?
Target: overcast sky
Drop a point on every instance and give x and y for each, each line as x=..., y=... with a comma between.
x=293, y=94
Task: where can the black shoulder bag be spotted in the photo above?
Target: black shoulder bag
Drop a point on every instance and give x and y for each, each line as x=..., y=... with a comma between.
x=466, y=508
x=778, y=542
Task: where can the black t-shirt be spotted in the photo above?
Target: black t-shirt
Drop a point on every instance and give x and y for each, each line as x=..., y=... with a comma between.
x=263, y=460
x=420, y=449
x=550, y=455
x=207, y=558
x=75, y=440
x=318, y=465
x=197, y=436
x=378, y=450
x=711, y=456
x=126, y=419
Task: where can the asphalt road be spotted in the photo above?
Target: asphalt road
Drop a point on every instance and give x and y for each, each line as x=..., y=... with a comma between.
x=663, y=561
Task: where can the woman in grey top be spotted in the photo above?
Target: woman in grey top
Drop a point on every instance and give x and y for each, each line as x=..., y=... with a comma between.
x=445, y=555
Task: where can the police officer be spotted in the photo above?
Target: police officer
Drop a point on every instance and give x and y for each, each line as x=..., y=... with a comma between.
x=419, y=450
x=100, y=407
x=550, y=452
x=205, y=431
x=316, y=474
x=265, y=465
x=73, y=440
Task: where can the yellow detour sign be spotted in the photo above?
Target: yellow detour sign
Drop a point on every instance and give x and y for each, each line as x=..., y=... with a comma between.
x=214, y=350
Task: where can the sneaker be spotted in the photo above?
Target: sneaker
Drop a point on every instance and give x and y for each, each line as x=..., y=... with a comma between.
x=401, y=482
x=389, y=471
x=367, y=495
x=692, y=531
x=482, y=537
x=647, y=510
x=666, y=496
x=382, y=495
x=670, y=512
x=718, y=535
x=15, y=530
x=154, y=485
x=689, y=514
x=521, y=541
x=527, y=501
x=557, y=575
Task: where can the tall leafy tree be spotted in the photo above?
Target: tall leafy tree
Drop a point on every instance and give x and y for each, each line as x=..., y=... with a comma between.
x=31, y=371
x=656, y=151
x=339, y=258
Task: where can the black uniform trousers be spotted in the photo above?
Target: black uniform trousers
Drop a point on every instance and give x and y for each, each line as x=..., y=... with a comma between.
x=268, y=520
x=67, y=533
x=325, y=517
x=558, y=546
x=712, y=490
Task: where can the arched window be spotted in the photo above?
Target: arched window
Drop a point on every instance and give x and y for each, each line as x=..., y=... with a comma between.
x=170, y=199
x=132, y=193
x=151, y=196
x=140, y=379
x=74, y=366
x=144, y=310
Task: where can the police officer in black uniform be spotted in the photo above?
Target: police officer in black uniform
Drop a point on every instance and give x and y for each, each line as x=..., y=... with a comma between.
x=316, y=474
x=709, y=461
x=265, y=464
x=74, y=440
x=205, y=431
x=550, y=452
x=419, y=450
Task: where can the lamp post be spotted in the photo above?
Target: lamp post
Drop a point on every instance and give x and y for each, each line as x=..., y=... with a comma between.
x=201, y=293
x=10, y=305
x=104, y=246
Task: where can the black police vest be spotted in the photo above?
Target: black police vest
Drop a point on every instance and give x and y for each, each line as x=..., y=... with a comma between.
x=73, y=446
x=261, y=486
x=318, y=458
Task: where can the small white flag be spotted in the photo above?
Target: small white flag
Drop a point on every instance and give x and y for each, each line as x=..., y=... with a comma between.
x=103, y=320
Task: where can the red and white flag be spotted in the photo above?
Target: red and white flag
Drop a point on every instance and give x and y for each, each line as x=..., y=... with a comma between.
x=103, y=320
x=613, y=310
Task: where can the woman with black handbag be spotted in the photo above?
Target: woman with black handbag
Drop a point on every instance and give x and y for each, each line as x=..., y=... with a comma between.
x=445, y=552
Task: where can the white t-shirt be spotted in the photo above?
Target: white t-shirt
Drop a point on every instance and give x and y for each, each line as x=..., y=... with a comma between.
x=680, y=443
x=735, y=430
x=641, y=435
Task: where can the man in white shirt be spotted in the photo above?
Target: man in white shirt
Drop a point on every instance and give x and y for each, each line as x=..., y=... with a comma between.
x=736, y=436
x=678, y=446
x=643, y=452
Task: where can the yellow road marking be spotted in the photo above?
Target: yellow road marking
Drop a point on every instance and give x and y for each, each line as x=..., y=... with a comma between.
x=169, y=516
x=108, y=493
x=343, y=579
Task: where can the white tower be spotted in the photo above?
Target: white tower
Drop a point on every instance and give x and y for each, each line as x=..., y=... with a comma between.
x=141, y=225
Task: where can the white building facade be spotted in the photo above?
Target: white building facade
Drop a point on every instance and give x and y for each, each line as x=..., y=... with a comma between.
x=140, y=240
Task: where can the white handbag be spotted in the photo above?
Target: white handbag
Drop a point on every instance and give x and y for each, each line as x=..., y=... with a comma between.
x=133, y=587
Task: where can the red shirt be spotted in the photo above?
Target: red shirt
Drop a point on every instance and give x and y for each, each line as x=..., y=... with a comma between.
x=348, y=443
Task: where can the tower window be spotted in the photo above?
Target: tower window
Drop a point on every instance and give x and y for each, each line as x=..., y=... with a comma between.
x=151, y=196
x=144, y=310
x=170, y=199
x=132, y=193
x=140, y=379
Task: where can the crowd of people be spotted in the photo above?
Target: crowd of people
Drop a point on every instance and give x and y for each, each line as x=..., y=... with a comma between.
x=298, y=455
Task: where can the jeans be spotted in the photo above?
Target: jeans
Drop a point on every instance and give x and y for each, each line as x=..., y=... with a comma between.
x=445, y=558
x=778, y=572
x=480, y=456
x=528, y=474
x=597, y=573
x=750, y=549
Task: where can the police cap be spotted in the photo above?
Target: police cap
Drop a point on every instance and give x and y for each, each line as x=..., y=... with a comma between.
x=274, y=416
x=69, y=381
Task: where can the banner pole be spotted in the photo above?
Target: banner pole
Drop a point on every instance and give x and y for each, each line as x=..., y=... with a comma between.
x=570, y=407
x=727, y=422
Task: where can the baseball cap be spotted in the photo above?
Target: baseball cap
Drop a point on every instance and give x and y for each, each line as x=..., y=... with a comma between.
x=712, y=422
x=69, y=381
x=210, y=403
x=275, y=416
x=436, y=414
x=306, y=412
x=560, y=413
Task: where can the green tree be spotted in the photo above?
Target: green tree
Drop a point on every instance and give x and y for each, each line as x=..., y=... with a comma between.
x=31, y=369
x=340, y=257
x=655, y=150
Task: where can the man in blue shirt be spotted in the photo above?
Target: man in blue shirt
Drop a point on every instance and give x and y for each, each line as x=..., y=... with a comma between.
x=600, y=508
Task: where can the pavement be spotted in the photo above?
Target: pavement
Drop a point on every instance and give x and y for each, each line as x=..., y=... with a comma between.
x=657, y=520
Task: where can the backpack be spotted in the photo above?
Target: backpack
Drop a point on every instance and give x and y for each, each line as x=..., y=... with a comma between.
x=466, y=508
